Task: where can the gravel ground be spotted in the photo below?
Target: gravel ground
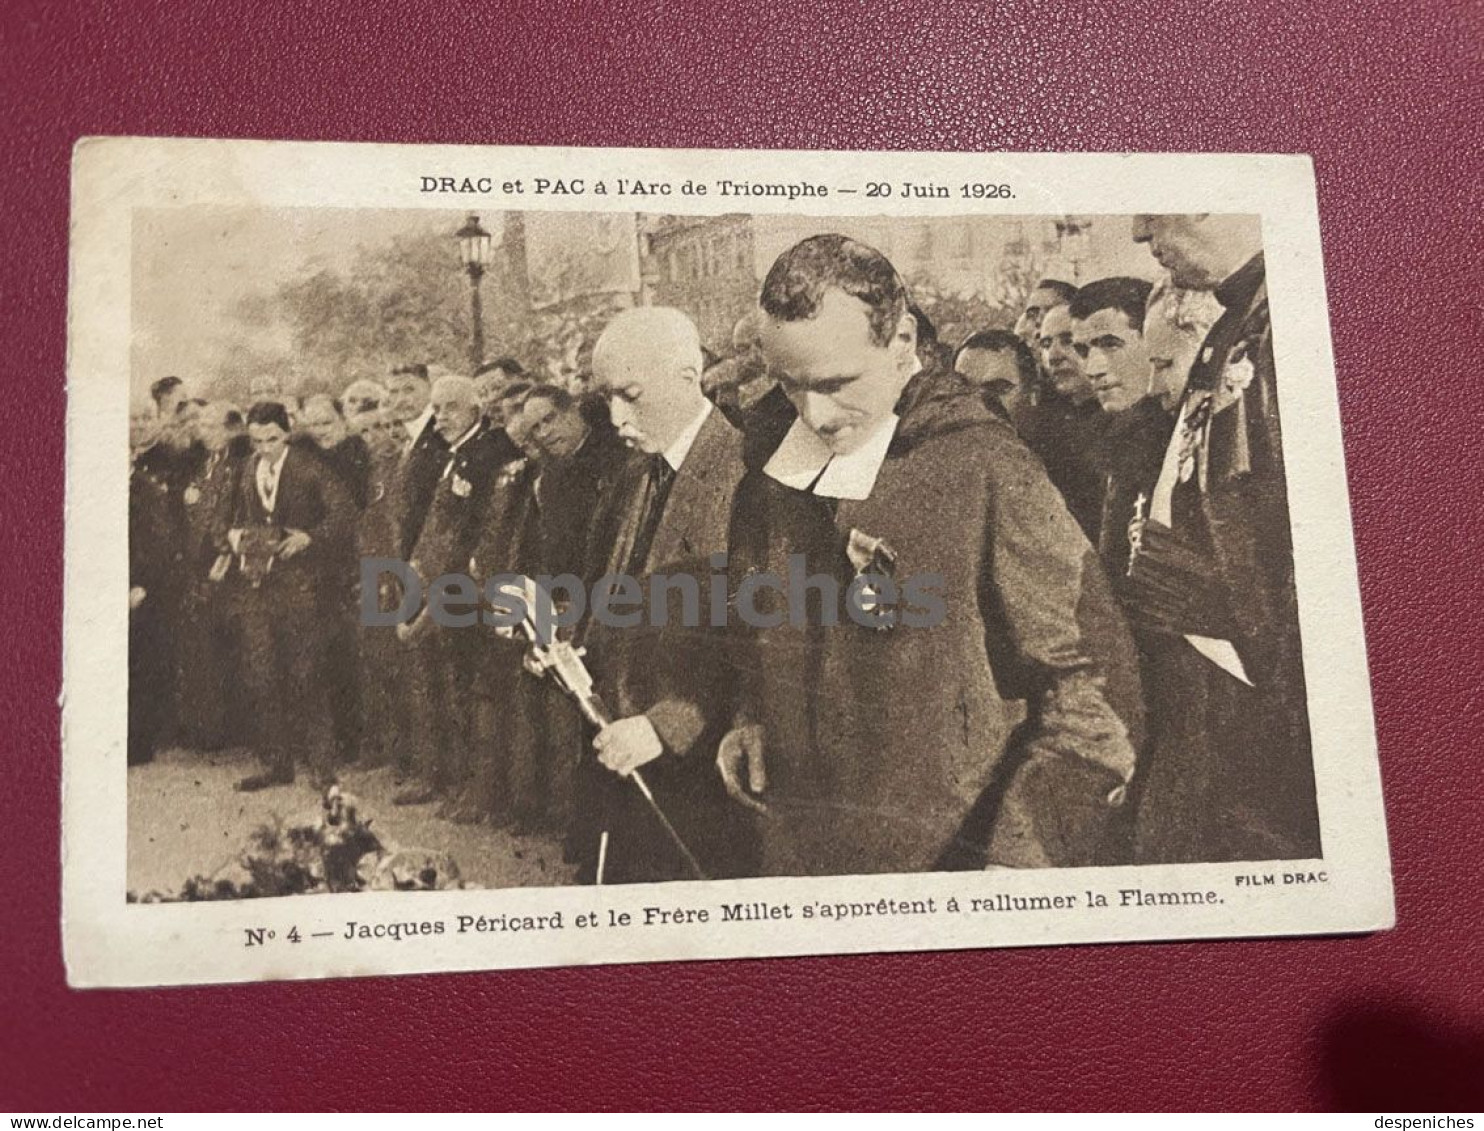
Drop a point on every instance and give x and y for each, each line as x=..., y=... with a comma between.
x=186, y=818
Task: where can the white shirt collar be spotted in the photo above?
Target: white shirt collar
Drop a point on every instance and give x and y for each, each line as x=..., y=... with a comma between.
x=473, y=428
x=417, y=424
x=803, y=458
x=275, y=469
x=675, y=454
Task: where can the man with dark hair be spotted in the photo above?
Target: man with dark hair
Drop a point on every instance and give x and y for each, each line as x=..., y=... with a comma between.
x=885, y=743
x=1108, y=335
x=932, y=353
x=167, y=393
x=1230, y=773
x=1002, y=365
x=491, y=380
x=163, y=471
x=154, y=535
x=325, y=433
x=291, y=521
x=1045, y=295
x=578, y=457
x=322, y=424
x=1065, y=425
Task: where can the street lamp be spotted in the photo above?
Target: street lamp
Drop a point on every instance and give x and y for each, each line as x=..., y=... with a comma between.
x=1074, y=242
x=475, y=249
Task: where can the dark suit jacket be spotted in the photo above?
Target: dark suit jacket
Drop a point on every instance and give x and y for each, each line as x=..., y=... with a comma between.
x=310, y=498
x=416, y=483
x=457, y=504
x=572, y=498
x=681, y=679
x=676, y=676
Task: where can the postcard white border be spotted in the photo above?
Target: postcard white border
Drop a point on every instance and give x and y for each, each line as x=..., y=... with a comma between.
x=110, y=943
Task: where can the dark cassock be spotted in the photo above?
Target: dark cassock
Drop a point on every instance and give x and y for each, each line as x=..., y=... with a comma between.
x=386, y=733
x=212, y=709
x=155, y=535
x=350, y=460
x=907, y=748
x=278, y=602
x=1129, y=454
x=570, y=494
x=506, y=724
x=1067, y=435
x=446, y=655
x=424, y=456
x=1229, y=774
x=669, y=517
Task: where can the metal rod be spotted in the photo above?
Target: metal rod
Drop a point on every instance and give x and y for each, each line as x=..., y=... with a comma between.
x=690, y=860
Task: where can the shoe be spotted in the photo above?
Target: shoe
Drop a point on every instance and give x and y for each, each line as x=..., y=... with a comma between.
x=415, y=794
x=255, y=782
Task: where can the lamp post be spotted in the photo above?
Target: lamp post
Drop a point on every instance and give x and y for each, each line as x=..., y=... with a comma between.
x=1074, y=242
x=475, y=248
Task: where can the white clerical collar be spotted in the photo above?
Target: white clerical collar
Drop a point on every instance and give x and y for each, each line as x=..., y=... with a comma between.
x=416, y=425
x=675, y=454
x=803, y=459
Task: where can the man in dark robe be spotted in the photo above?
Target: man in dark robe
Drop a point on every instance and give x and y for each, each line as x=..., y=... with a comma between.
x=886, y=740
x=164, y=468
x=291, y=520
x=345, y=453
x=1230, y=773
x=664, y=671
x=211, y=704
x=1065, y=425
x=388, y=727
x=153, y=534
x=578, y=457
x=446, y=539
x=423, y=449
x=1108, y=336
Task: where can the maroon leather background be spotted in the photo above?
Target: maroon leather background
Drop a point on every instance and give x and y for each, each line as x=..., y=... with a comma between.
x=1386, y=96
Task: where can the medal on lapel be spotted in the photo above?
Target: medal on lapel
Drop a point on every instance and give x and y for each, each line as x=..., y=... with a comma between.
x=871, y=558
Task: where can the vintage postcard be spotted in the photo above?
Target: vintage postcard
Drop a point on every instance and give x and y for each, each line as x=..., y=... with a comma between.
x=502, y=557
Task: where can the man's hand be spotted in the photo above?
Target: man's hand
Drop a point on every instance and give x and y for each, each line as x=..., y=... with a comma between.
x=136, y=596
x=296, y=543
x=740, y=760
x=414, y=629
x=234, y=539
x=626, y=745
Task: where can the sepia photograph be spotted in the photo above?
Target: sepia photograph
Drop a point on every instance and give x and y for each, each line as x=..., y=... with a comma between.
x=790, y=558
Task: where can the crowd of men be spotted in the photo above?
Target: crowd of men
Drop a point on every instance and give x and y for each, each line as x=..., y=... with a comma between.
x=1099, y=495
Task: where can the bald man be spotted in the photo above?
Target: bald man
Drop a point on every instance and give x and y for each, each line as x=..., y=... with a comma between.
x=1230, y=774
x=669, y=692
x=444, y=544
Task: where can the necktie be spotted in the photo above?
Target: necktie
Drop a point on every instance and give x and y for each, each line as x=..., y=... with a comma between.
x=656, y=491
